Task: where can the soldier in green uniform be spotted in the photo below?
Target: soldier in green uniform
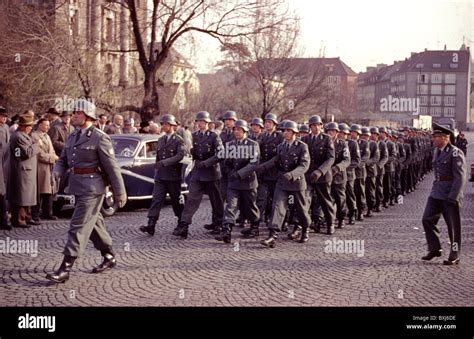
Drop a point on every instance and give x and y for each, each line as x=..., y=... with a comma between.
x=446, y=195
x=169, y=153
x=89, y=156
x=292, y=162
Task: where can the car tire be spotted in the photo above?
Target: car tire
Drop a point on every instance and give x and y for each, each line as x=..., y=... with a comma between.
x=109, y=205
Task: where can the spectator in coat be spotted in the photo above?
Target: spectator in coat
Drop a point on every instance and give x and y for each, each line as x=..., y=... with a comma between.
x=46, y=160
x=61, y=132
x=4, y=140
x=22, y=182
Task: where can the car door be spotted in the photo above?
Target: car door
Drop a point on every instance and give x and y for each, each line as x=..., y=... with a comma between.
x=142, y=179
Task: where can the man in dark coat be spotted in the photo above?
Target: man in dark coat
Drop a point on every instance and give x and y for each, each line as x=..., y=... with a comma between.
x=4, y=140
x=60, y=132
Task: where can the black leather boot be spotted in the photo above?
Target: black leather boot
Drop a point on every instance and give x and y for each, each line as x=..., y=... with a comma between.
x=360, y=215
x=210, y=226
x=226, y=234
x=351, y=216
x=181, y=230
x=340, y=223
x=150, y=227
x=304, y=235
x=108, y=262
x=331, y=229
x=369, y=213
x=217, y=229
x=271, y=240
x=432, y=254
x=62, y=274
x=296, y=233
x=251, y=232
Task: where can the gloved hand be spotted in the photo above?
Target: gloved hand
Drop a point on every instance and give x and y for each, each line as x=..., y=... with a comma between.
x=315, y=176
x=234, y=176
x=287, y=176
x=121, y=199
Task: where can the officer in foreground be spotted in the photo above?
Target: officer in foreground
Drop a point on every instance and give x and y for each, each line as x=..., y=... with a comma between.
x=446, y=195
x=88, y=155
x=169, y=153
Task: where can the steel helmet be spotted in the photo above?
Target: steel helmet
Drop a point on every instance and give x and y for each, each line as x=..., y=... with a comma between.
x=85, y=106
x=168, y=118
x=315, y=119
x=257, y=121
x=242, y=124
x=230, y=115
x=272, y=117
x=203, y=116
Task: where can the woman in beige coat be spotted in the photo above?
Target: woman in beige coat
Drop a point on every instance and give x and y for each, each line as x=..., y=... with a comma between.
x=46, y=159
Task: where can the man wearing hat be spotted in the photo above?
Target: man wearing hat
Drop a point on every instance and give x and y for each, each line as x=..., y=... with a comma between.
x=374, y=131
x=60, y=132
x=227, y=135
x=371, y=168
x=170, y=151
x=256, y=127
x=53, y=117
x=89, y=156
x=4, y=140
x=446, y=195
x=360, y=171
x=22, y=181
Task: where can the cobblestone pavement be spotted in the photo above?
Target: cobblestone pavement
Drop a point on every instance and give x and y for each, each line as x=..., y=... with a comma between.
x=199, y=271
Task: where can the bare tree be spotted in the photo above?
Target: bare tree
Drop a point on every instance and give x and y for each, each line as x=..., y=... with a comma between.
x=169, y=21
x=268, y=63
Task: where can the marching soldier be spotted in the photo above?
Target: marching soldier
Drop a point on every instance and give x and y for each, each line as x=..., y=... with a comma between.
x=354, y=154
x=292, y=162
x=205, y=176
x=360, y=171
x=242, y=187
x=226, y=135
x=389, y=167
x=256, y=126
x=339, y=175
x=446, y=195
x=401, y=156
x=371, y=167
x=268, y=143
x=319, y=175
x=374, y=131
x=405, y=165
x=170, y=151
x=89, y=155
x=303, y=131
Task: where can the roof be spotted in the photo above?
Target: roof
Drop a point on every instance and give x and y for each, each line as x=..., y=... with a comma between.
x=333, y=66
x=445, y=60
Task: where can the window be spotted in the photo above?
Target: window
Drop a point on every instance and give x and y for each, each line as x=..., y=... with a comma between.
x=450, y=89
x=435, y=89
x=450, y=78
x=423, y=78
x=109, y=30
x=435, y=111
x=449, y=101
x=424, y=100
x=436, y=65
x=423, y=110
x=453, y=65
x=436, y=78
x=435, y=101
x=422, y=89
x=419, y=65
x=449, y=112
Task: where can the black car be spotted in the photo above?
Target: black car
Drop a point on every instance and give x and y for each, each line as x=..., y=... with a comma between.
x=136, y=154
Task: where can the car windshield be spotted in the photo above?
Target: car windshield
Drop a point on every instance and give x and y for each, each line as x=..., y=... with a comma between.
x=124, y=147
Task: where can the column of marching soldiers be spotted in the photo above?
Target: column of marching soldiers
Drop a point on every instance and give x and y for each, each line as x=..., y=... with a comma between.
x=292, y=177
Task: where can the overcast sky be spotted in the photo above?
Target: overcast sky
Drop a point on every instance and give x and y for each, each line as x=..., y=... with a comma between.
x=367, y=32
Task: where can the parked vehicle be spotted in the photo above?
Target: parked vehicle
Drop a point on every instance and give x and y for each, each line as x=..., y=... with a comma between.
x=136, y=154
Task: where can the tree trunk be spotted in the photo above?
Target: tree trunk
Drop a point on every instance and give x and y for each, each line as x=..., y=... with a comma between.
x=151, y=104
